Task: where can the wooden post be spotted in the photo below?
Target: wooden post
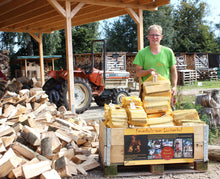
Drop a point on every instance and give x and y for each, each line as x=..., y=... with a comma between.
x=40, y=43
x=140, y=30
x=52, y=64
x=69, y=56
x=25, y=67
x=41, y=59
x=138, y=18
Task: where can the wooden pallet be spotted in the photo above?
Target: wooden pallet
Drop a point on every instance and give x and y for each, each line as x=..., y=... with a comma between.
x=187, y=77
x=159, y=169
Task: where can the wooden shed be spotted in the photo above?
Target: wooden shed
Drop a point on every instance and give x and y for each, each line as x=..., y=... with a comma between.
x=30, y=65
x=45, y=16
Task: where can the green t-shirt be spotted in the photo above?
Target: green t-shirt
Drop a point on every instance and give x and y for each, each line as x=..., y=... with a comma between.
x=162, y=62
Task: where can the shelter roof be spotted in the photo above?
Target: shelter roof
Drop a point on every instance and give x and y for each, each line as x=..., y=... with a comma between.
x=49, y=15
x=46, y=57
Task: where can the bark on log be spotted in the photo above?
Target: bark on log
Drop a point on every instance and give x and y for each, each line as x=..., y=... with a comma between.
x=46, y=147
x=214, y=152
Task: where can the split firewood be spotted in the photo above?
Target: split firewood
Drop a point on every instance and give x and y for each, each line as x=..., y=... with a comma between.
x=33, y=131
x=31, y=135
x=33, y=170
x=51, y=174
x=8, y=162
x=17, y=172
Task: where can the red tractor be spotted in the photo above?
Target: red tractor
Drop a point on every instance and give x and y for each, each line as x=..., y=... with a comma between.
x=104, y=86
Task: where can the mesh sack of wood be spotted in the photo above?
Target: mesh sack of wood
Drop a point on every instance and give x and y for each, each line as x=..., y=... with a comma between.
x=187, y=116
x=156, y=94
x=106, y=108
x=137, y=116
x=126, y=100
x=117, y=117
x=156, y=84
x=165, y=120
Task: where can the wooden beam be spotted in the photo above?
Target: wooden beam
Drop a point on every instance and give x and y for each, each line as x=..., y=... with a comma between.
x=140, y=30
x=41, y=59
x=57, y=7
x=35, y=36
x=76, y=9
x=25, y=67
x=81, y=20
x=23, y=10
x=118, y=4
x=134, y=16
x=27, y=16
x=69, y=56
x=12, y=5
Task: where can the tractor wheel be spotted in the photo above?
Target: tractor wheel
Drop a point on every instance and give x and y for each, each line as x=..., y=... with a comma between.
x=117, y=98
x=101, y=101
x=63, y=93
x=83, y=94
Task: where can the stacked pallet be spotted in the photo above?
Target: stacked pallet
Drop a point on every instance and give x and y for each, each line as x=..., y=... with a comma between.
x=187, y=77
x=37, y=140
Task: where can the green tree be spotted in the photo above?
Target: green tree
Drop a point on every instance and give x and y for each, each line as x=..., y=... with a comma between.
x=82, y=37
x=192, y=34
x=121, y=35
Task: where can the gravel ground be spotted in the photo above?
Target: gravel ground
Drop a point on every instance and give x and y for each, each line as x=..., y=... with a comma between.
x=97, y=113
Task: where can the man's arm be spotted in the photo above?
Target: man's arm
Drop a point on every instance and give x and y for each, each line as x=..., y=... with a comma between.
x=174, y=77
x=140, y=72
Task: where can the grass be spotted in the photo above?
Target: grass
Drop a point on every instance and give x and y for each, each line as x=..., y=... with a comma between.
x=191, y=98
x=205, y=84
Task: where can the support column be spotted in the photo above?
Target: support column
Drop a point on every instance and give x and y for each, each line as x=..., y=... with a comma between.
x=138, y=18
x=25, y=68
x=41, y=59
x=69, y=56
x=140, y=30
x=40, y=43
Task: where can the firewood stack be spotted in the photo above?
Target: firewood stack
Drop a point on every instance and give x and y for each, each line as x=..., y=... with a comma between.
x=37, y=140
x=5, y=63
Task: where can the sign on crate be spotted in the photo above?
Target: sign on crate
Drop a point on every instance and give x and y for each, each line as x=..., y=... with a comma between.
x=144, y=146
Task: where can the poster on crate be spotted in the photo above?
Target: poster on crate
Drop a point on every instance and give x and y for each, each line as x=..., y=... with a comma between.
x=158, y=145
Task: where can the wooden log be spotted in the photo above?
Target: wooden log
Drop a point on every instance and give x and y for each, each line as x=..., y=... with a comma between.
x=56, y=144
x=89, y=164
x=214, y=152
x=78, y=159
x=68, y=153
x=46, y=147
x=8, y=140
x=61, y=165
x=6, y=130
x=17, y=172
x=9, y=161
x=2, y=146
x=33, y=170
x=51, y=174
x=31, y=136
x=27, y=152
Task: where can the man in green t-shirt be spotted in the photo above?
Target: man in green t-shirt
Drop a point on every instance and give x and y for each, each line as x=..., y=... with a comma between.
x=156, y=59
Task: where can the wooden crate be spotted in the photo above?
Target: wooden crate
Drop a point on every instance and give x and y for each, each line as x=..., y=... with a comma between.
x=187, y=77
x=112, y=150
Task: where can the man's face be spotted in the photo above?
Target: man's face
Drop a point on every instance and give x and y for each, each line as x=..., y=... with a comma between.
x=154, y=37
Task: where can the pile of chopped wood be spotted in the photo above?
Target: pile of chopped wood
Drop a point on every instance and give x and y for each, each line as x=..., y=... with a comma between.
x=36, y=139
x=5, y=63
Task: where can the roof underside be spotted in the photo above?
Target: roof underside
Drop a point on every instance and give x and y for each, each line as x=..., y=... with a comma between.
x=49, y=15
